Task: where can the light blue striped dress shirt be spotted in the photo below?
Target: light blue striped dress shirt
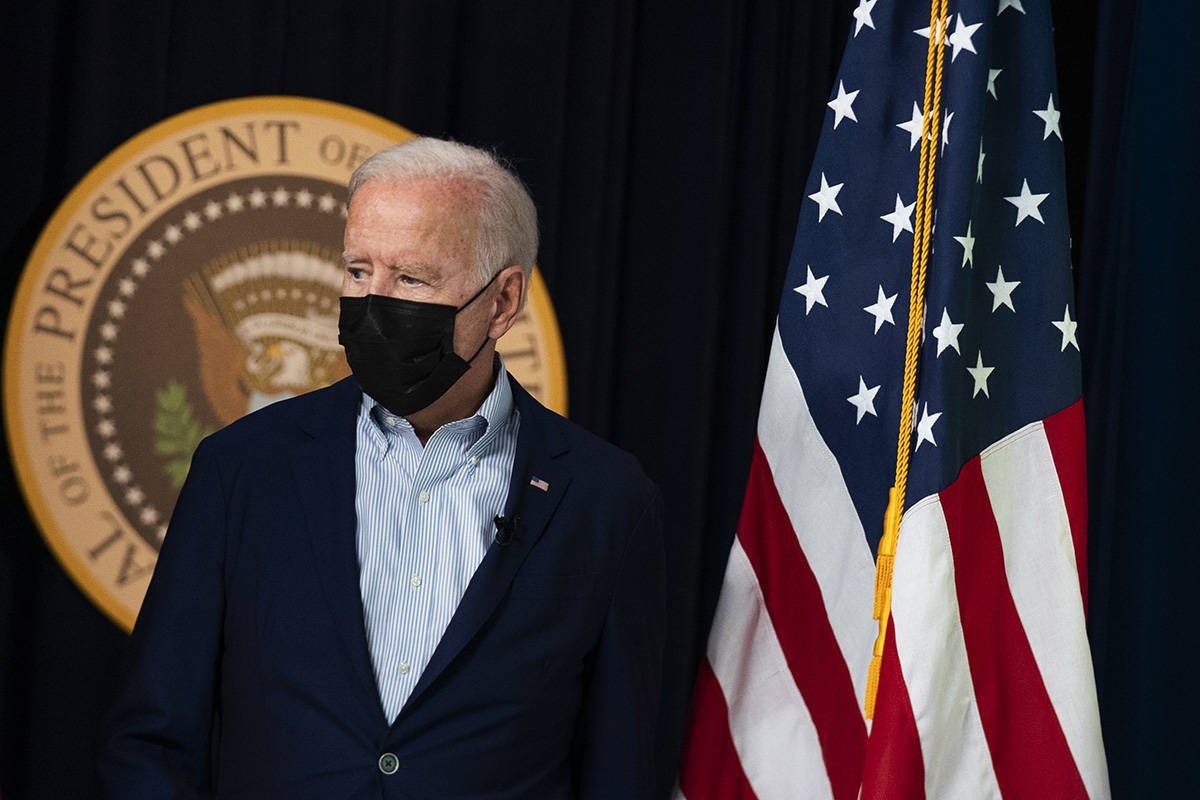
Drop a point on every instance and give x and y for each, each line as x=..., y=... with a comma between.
x=426, y=516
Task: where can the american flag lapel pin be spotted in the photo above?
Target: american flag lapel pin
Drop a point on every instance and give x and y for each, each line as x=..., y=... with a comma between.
x=538, y=483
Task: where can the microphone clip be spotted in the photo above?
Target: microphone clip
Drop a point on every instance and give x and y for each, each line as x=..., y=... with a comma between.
x=505, y=529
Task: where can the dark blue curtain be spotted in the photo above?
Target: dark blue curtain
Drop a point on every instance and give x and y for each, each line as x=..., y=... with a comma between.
x=1137, y=287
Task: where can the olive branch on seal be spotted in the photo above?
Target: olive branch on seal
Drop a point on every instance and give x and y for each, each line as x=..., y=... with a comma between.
x=177, y=431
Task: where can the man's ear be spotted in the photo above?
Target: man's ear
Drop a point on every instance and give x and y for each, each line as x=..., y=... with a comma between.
x=508, y=300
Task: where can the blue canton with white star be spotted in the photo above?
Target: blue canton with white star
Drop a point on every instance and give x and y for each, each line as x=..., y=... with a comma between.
x=999, y=348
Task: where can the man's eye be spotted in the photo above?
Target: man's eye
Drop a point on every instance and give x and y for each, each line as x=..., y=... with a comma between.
x=356, y=273
x=409, y=280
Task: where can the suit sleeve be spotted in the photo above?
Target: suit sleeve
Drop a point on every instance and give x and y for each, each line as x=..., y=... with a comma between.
x=157, y=738
x=615, y=734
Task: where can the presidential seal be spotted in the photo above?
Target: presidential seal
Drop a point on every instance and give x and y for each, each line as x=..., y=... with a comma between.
x=192, y=277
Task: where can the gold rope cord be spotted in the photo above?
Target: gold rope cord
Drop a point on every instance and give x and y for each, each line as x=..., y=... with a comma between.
x=920, y=259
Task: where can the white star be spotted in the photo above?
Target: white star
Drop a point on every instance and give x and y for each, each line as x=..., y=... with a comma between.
x=946, y=119
x=1010, y=4
x=1002, y=290
x=947, y=333
x=127, y=286
x=1050, y=115
x=155, y=249
x=140, y=267
x=992, y=75
x=108, y=331
x=961, y=38
x=172, y=234
x=161, y=532
x=101, y=380
x=901, y=218
x=234, y=203
x=102, y=403
x=112, y=451
x=258, y=198
x=843, y=105
x=881, y=309
x=212, y=210
x=103, y=355
x=913, y=126
x=116, y=308
x=304, y=198
x=982, y=156
x=134, y=496
x=941, y=33
x=280, y=197
x=106, y=428
x=122, y=474
x=864, y=400
x=1027, y=204
x=326, y=202
x=968, y=246
x=862, y=15
x=192, y=221
x=826, y=199
x=1067, y=326
x=149, y=516
x=925, y=428
x=813, y=290
x=980, y=374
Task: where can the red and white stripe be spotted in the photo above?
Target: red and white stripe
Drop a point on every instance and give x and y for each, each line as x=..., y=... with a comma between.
x=986, y=689
x=989, y=629
x=776, y=711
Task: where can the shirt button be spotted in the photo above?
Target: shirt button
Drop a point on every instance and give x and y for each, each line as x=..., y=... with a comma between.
x=474, y=460
x=403, y=668
x=382, y=447
x=423, y=497
x=392, y=421
x=388, y=764
x=415, y=581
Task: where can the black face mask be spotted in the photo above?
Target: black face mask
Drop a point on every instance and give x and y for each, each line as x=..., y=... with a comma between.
x=402, y=351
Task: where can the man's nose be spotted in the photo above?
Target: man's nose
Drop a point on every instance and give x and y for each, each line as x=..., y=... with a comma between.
x=380, y=283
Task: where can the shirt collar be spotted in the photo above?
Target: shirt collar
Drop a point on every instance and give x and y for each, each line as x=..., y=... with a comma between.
x=496, y=408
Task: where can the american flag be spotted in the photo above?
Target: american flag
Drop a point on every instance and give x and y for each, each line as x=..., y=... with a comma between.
x=986, y=687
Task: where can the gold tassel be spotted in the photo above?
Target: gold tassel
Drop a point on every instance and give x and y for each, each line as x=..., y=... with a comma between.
x=884, y=565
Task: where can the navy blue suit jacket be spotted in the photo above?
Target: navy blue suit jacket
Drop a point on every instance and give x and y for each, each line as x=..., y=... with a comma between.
x=249, y=674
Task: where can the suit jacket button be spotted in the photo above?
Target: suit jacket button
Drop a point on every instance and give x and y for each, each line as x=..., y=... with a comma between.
x=388, y=764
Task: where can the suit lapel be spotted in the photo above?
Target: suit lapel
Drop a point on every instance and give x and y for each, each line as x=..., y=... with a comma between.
x=539, y=446
x=324, y=471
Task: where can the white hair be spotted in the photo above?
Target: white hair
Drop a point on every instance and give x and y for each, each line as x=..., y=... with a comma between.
x=508, y=232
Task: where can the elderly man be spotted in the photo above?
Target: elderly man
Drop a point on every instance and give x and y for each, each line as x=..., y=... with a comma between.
x=418, y=582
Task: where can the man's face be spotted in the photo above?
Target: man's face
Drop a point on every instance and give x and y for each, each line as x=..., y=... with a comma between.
x=413, y=241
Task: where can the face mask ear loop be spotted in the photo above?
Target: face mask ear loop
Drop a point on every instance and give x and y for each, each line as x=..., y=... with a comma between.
x=475, y=296
x=486, y=339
